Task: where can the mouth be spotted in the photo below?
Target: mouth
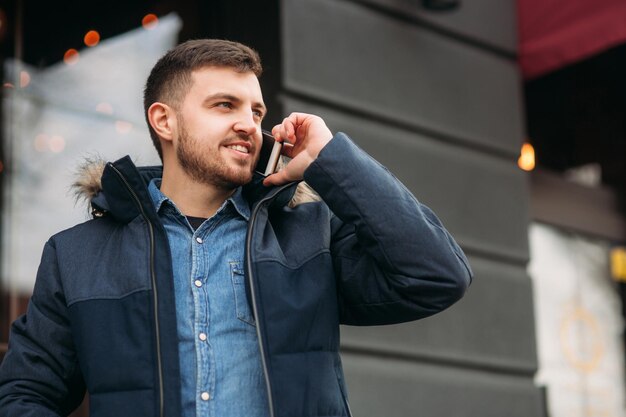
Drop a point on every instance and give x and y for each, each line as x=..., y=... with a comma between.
x=239, y=148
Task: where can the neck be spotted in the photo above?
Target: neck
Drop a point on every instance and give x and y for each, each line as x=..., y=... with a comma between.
x=191, y=197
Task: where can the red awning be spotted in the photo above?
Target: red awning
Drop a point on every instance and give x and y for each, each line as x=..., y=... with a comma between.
x=555, y=33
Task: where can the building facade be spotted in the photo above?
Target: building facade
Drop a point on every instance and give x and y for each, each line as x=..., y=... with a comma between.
x=432, y=90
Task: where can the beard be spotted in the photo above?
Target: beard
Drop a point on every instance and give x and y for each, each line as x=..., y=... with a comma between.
x=208, y=166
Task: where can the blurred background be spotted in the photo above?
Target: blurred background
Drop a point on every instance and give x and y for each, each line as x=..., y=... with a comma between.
x=508, y=118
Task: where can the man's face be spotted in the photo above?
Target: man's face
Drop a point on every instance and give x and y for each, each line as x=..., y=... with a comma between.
x=219, y=127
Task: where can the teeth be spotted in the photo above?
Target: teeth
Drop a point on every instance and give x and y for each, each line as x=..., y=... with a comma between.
x=238, y=148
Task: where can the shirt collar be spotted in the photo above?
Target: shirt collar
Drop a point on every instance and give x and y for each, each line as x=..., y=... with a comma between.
x=240, y=203
x=158, y=198
x=237, y=199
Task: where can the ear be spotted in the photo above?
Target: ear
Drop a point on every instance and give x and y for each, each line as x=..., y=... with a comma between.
x=163, y=120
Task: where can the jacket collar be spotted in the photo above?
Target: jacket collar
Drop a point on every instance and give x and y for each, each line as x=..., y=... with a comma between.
x=124, y=193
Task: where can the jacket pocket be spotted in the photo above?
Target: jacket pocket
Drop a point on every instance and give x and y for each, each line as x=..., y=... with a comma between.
x=242, y=307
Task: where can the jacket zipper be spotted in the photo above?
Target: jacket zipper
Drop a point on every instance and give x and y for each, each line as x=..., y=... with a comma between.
x=255, y=308
x=155, y=294
x=253, y=294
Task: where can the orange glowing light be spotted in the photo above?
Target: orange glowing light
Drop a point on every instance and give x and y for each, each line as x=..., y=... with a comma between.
x=526, y=160
x=71, y=56
x=24, y=79
x=3, y=24
x=149, y=21
x=92, y=38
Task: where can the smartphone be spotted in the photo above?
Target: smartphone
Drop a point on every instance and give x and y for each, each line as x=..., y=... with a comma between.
x=270, y=152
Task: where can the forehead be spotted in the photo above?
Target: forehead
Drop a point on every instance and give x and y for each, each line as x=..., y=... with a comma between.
x=212, y=80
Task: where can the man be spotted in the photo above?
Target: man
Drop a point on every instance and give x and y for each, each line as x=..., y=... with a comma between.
x=200, y=289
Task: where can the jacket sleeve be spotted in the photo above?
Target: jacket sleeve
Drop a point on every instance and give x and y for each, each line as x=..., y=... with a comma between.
x=40, y=375
x=393, y=259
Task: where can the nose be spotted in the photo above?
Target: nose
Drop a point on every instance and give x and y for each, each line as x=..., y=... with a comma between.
x=247, y=124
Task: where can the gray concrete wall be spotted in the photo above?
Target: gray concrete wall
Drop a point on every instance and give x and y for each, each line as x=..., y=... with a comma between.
x=436, y=97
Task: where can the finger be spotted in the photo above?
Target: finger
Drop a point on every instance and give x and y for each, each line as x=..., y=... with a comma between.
x=291, y=126
x=297, y=118
x=276, y=132
x=287, y=130
x=291, y=130
x=279, y=133
x=300, y=119
x=288, y=150
x=278, y=178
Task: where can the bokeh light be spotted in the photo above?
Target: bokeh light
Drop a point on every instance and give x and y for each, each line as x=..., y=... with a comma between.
x=149, y=21
x=24, y=79
x=104, y=108
x=44, y=143
x=123, y=127
x=41, y=142
x=92, y=38
x=71, y=56
x=3, y=24
x=526, y=160
x=56, y=143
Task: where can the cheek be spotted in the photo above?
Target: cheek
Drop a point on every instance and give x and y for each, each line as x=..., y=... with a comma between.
x=258, y=143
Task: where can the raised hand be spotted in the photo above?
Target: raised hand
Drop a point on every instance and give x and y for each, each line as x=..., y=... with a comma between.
x=303, y=136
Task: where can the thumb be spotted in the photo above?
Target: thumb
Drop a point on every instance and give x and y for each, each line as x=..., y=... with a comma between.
x=278, y=178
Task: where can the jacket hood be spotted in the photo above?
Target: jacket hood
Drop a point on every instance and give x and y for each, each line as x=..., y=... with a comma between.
x=87, y=185
x=88, y=179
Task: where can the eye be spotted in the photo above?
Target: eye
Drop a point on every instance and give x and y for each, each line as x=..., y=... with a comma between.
x=259, y=112
x=224, y=104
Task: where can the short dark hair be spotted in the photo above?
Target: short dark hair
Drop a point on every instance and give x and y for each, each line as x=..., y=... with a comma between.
x=170, y=78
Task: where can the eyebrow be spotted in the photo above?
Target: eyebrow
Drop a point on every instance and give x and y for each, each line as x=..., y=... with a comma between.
x=234, y=99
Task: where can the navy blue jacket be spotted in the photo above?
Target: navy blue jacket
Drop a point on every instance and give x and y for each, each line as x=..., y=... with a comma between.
x=102, y=314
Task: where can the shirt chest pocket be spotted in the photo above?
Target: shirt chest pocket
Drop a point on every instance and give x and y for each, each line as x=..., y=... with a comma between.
x=243, y=310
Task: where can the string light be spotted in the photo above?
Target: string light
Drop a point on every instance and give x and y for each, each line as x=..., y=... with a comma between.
x=150, y=21
x=92, y=38
x=71, y=56
x=526, y=159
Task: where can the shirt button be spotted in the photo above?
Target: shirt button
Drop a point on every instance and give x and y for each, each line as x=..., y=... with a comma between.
x=205, y=396
x=202, y=336
x=199, y=240
x=197, y=283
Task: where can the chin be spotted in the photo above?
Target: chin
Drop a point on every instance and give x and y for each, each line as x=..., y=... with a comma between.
x=239, y=178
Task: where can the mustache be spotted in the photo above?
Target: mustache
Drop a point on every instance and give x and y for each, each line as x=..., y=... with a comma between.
x=241, y=137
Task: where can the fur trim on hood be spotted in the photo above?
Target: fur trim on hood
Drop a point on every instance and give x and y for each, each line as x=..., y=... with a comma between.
x=88, y=183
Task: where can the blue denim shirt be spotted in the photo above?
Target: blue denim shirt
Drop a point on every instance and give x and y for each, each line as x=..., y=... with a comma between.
x=220, y=363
